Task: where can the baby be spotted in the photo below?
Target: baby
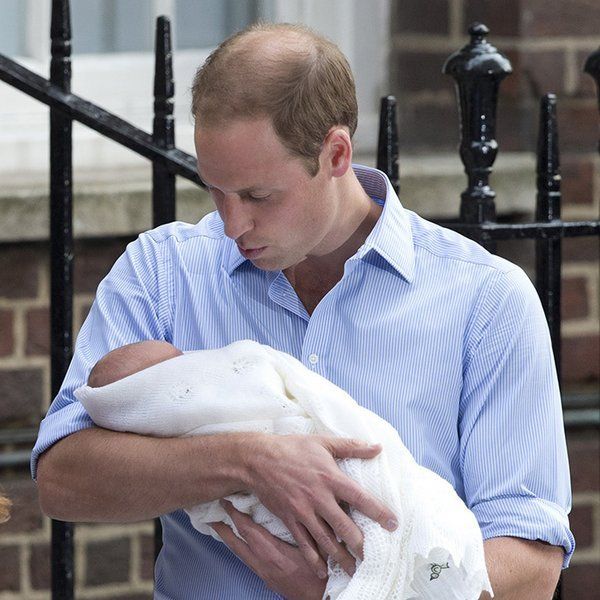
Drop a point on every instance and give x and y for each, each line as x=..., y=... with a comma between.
x=153, y=388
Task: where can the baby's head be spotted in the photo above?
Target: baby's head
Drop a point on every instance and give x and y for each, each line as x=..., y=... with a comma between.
x=130, y=359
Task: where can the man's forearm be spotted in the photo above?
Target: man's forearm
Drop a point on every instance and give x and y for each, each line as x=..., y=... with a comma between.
x=522, y=569
x=101, y=475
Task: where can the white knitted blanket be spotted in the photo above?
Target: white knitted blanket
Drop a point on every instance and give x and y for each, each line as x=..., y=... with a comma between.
x=437, y=550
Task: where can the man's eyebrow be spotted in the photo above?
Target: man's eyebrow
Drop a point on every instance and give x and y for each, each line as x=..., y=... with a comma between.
x=241, y=192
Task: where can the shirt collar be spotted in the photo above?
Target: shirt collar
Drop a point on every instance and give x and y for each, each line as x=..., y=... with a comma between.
x=391, y=237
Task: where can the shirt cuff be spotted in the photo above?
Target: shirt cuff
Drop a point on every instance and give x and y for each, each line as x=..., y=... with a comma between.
x=57, y=425
x=526, y=517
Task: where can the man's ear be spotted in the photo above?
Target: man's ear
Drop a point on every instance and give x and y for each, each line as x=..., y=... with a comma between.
x=337, y=151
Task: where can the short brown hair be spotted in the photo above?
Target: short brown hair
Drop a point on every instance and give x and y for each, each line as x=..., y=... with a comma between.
x=289, y=73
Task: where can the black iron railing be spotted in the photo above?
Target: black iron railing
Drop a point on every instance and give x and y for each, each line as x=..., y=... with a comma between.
x=478, y=70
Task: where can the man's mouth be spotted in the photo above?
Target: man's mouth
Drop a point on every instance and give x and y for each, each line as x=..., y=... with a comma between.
x=251, y=253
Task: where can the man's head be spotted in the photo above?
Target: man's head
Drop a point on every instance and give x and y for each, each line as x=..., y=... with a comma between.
x=297, y=79
x=129, y=359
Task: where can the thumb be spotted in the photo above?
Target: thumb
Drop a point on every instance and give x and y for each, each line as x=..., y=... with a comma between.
x=351, y=448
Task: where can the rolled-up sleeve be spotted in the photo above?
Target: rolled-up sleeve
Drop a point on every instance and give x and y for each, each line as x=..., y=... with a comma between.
x=513, y=450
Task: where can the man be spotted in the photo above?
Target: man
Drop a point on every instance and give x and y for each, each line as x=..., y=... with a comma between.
x=445, y=341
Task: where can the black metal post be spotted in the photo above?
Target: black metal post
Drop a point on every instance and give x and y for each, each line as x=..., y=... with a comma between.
x=163, y=134
x=163, y=130
x=387, y=141
x=548, y=251
x=61, y=266
x=478, y=68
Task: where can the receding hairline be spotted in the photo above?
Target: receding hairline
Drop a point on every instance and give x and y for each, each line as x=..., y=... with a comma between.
x=264, y=51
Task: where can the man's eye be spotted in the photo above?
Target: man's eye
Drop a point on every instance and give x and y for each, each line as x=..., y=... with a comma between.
x=257, y=198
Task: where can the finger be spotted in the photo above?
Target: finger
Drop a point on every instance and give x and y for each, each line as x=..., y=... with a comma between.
x=344, y=529
x=326, y=542
x=234, y=543
x=306, y=545
x=367, y=504
x=351, y=448
x=244, y=524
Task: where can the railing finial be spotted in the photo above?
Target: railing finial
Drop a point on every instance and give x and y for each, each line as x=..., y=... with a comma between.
x=478, y=69
x=60, y=46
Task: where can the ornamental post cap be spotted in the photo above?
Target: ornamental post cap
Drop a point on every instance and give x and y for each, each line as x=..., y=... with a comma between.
x=478, y=57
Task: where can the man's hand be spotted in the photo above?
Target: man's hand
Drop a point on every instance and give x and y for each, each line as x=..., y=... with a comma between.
x=281, y=566
x=297, y=479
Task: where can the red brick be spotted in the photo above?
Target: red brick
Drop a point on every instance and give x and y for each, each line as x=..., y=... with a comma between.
x=421, y=71
x=584, y=460
x=424, y=126
x=586, y=86
x=25, y=511
x=582, y=525
x=147, y=552
x=577, y=179
x=581, y=358
x=21, y=396
x=10, y=569
x=511, y=86
x=19, y=266
x=579, y=250
x=574, y=300
x=39, y=566
x=415, y=16
x=540, y=18
x=542, y=72
x=108, y=562
x=38, y=331
x=94, y=258
x=517, y=124
x=7, y=338
x=581, y=582
x=502, y=18
x=578, y=126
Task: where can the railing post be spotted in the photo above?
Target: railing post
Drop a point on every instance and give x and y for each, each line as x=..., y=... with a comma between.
x=61, y=265
x=163, y=134
x=387, y=141
x=478, y=68
x=163, y=130
x=548, y=251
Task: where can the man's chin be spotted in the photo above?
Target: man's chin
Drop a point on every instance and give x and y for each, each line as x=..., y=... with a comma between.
x=273, y=263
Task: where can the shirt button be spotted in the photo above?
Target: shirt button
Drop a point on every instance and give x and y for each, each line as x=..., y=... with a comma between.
x=313, y=359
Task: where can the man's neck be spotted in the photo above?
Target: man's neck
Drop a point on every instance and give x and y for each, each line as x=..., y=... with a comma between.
x=316, y=275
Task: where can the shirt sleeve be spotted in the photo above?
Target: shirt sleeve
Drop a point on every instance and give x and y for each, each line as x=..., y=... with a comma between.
x=127, y=308
x=513, y=448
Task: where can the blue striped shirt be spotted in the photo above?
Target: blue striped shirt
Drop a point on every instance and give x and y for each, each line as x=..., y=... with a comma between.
x=426, y=328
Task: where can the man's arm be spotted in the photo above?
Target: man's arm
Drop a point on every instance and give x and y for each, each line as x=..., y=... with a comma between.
x=100, y=475
x=522, y=569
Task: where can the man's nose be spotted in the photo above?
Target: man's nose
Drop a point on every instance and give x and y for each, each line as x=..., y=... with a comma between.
x=236, y=217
